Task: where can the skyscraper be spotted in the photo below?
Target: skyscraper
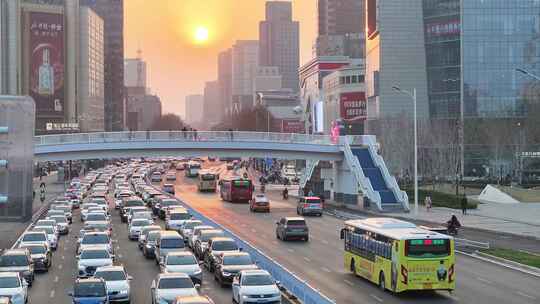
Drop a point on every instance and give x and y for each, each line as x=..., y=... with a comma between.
x=194, y=109
x=279, y=42
x=112, y=12
x=225, y=80
x=211, y=108
x=245, y=60
x=340, y=17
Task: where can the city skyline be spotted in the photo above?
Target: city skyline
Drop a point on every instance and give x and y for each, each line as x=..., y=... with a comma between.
x=170, y=49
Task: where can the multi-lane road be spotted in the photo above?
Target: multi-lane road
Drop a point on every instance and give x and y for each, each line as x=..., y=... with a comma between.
x=320, y=261
x=52, y=287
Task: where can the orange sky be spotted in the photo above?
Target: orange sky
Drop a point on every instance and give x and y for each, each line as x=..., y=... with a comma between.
x=177, y=66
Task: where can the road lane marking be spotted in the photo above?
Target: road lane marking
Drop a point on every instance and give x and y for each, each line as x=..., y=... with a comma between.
x=349, y=282
x=56, y=279
x=265, y=236
x=376, y=298
x=324, y=242
x=526, y=295
x=274, y=242
x=290, y=250
x=484, y=280
x=253, y=230
x=326, y=269
x=52, y=293
x=60, y=266
x=307, y=259
x=63, y=257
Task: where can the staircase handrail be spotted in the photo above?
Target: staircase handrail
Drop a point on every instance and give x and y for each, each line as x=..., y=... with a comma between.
x=310, y=167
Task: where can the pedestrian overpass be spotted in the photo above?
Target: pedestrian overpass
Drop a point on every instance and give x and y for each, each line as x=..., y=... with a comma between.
x=354, y=157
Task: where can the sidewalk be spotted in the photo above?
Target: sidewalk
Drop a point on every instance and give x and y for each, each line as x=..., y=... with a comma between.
x=10, y=231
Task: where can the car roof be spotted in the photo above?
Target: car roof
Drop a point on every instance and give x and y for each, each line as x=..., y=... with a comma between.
x=96, y=233
x=171, y=275
x=90, y=280
x=8, y=274
x=222, y=238
x=294, y=218
x=237, y=253
x=180, y=253
x=15, y=251
x=95, y=247
x=193, y=300
x=111, y=268
x=255, y=272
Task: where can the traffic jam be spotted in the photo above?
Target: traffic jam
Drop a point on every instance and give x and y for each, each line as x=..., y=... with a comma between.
x=179, y=245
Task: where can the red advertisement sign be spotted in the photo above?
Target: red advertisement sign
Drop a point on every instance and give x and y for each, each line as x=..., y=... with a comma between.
x=353, y=106
x=47, y=62
x=292, y=126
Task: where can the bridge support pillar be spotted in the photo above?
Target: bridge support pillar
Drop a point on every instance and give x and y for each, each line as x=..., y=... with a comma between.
x=341, y=182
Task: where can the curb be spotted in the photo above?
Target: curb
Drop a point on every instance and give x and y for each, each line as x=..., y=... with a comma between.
x=501, y=262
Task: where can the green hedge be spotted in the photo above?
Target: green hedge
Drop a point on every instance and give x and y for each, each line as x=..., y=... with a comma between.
x=440, y=199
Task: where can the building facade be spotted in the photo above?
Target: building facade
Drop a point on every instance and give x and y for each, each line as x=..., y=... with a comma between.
x=267, y=78
x=112, y=12
x=10, y=48
x=142, y=109
x=194, y=109
x=340, y=17
x=135, y=73
x=344, y=98
x=279, y=42
x=91, y=101
x=245, y=60
x=211, y=108
x=225, y=81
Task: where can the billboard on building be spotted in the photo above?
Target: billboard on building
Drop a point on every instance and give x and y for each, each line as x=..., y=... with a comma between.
x=292, y=126
x=46, y=58
x=353, y=106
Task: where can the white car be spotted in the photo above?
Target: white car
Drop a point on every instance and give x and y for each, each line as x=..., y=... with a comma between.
x=62, y=223
x=175, y=219
x=135, y=227
x=91, y=239
x=184, y=262
x=96, y=216
x=117, y=281
x=51, y=232
x=84, y=210
x=193, y=237
x=251, y=285
x=14, y=287
x=187, y=228
x=91, y=258
x=167, y=286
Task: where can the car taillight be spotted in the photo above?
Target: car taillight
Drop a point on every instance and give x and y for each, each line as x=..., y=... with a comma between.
x=306, y=205
x=451, y=274
x=404, y=273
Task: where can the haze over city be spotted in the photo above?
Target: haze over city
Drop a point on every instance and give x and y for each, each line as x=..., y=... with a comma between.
x=178, y=65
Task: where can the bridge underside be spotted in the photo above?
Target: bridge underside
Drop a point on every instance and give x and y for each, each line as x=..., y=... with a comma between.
x=83, y=151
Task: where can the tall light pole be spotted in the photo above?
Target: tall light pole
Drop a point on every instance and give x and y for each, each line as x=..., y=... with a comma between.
x=413, y=96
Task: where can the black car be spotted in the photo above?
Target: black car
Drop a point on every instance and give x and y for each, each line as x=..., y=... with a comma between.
x=165, y=204
x=127, y=204
x=217, y=246
x=149, y=244
x=229, y=265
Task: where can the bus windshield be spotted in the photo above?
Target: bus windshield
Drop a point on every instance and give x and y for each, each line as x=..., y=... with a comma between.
x=241, y=183
x=427, y=248
x=208, y=177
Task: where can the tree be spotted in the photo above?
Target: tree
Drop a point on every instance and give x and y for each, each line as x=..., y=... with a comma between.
x=168, y=122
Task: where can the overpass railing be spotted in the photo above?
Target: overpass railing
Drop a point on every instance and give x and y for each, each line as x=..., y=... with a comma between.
x=187, y=136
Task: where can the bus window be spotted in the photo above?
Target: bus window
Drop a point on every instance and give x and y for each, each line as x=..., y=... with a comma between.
x=427, y=248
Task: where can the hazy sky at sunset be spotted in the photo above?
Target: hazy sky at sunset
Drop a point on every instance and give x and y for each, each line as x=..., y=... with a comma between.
x=177, y=65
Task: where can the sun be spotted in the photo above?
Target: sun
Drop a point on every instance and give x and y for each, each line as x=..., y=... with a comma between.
x=201, y=34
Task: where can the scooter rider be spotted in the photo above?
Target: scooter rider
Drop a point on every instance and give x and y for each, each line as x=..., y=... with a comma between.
x=285, y=193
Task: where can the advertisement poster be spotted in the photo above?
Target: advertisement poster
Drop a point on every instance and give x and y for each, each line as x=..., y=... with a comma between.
x=47, y=62
x=292, y=126
x=353, y=106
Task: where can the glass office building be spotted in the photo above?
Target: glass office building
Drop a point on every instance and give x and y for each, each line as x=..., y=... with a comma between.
x=490, y=39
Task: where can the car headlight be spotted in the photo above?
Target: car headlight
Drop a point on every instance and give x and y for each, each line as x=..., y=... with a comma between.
x=245, y=297
x=198, y=271
x=124, y=292
x=275, y=295
x=226, y=274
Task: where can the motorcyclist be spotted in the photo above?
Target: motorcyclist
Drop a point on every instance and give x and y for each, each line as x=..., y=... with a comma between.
x=285, y=193
x=453, y=224
x=263, y=187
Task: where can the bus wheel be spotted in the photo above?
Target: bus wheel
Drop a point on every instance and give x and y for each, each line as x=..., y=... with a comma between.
x=353, y=267
x=382, y=283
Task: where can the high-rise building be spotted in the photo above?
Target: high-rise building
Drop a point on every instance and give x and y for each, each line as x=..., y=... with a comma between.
x=112, y=12
x=279, y=42
x=135, y=73
x=340, y=17
x=245, y=60
x=194, y=109
x=10, y=48
x=90, y=105
x=267, y=78
x=211, y=108
x=225, y=81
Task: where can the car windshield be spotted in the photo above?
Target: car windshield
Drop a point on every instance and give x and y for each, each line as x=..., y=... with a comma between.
x=13, y=260
x=172, y=243
x=142, y=215
x=181, y=260
x=116, y=275
x=152, y=237
x=94, y=254
x=9, y=282
x=224, y=246
x=139, y=223
x=95, y=239
x=35, y=237
x=37, y=249
x=257, y=280
x=296, y=223
x=173, y=283
x=90, y=290
x=46, y=223
x=237, y=260
x=191, y=225
x=134, y=203
x=205, y=237
x=168, y=203
x=96, y=217
x=98, y=226
x=60, y=219
x=179, y=216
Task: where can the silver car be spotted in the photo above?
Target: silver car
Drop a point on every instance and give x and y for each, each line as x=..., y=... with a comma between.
x=187, y=228
x=13, y=287
x=20, y=261
x=91, y=258
x=184, y=262
x=117, y=281
x=167, y=286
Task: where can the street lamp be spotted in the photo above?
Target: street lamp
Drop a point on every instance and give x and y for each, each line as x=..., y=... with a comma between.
x=525, y=72
x=413, y=96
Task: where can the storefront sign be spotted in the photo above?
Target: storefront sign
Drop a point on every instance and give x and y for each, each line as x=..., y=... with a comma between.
x=353, y=106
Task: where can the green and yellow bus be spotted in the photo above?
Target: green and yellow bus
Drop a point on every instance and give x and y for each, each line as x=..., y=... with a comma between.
x=398, y=255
